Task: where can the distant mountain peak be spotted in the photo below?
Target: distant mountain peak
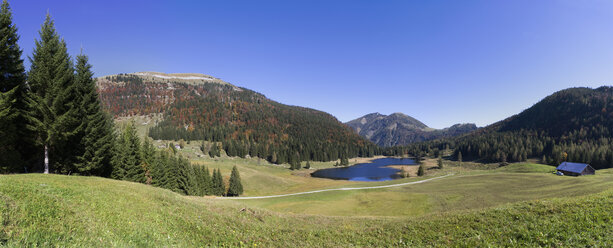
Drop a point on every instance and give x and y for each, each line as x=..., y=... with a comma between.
x=401, y=129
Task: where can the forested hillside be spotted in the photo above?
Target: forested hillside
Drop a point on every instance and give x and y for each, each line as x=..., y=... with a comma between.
x=575, y=124
x=52, y=121
x=400, y=129
x=244, y=121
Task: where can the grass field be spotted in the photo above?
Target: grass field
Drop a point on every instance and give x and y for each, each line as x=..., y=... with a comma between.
x=73, y=211
x=476, y=190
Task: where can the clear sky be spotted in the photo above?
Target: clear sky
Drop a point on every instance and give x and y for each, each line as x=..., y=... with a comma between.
x=442, y=62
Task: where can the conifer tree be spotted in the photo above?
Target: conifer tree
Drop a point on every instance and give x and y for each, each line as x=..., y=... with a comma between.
x=119, y=169
x=440, y=162
x=50, y=80
x=218, y=185
x=421, y=170
x=8, y=154
x=148, y=158
x=132, y=161
x=170, y=170
x=186, y=177
x=235, y=188
x=99, y=137
x=208, y=181
x=199, y=180
x=129, y=165
x=157, y=174
x=16, y=141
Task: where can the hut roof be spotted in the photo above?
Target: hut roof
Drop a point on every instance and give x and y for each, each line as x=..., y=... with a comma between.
x=572, y=167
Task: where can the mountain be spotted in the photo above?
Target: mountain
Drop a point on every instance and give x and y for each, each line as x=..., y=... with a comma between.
x=202, y=107
x=574, y=124
x=400, y=129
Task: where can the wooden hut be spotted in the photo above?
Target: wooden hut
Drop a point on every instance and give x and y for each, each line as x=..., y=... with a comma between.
x=575, y=169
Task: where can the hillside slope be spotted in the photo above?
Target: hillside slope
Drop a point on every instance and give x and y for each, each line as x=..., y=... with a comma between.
x=73, y=211
x=574, y=124
x=200, y=107
x=400, y=129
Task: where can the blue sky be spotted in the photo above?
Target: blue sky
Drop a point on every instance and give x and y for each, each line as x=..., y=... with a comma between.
x=442, y=62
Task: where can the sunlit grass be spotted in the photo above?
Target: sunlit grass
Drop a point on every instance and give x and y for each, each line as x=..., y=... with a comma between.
x=71, y=211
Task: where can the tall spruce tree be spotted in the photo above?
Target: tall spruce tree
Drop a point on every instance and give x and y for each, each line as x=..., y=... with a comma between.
x=99, y=137
x=236, y=187
x=128, y=165
x=186, y=181
x=8, y=154
x=208, y=181
x=148, y=160
x=54, y=99
x=16, y=141
x=132, y=159
x=218, y=185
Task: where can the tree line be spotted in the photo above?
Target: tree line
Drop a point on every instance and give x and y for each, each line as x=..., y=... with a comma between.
x=52, y=121
x=141, y=162
x=570, y=125
x=244, y=122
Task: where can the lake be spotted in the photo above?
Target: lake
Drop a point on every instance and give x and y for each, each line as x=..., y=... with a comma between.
x=374, y=171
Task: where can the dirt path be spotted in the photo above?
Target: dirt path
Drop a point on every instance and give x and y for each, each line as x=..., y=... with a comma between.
x=339, y=189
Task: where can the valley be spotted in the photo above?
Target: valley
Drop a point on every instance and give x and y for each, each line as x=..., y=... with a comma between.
x=120, y=154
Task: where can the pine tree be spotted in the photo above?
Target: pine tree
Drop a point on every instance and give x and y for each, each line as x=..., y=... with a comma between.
x=344, y=161
x=148, y=159
x=421, y=170
x=132, y=161
x=118, y=170
x=8, y=154
x=50, y=79
x=186, y=177
x=99, y=137
x=129, y=165
x=440, y=162
x=203, y=180
x=158, y=177
x=235, y=188
x=170, y=170
x=218, y=185
x=209, y=181
x=16, y=141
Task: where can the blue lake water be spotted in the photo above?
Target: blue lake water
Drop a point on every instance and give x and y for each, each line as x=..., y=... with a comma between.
x=375, y=171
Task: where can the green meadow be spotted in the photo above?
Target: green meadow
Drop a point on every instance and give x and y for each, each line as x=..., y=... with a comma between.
x=519, y=205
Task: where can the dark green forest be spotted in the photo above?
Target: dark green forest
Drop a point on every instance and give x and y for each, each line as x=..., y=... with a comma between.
x=52, y=121
x=245, y=122
x=575, y=125
x=138, y=161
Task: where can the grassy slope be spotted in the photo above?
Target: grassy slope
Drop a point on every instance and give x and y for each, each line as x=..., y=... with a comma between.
x=53, y=210
x=460, y=192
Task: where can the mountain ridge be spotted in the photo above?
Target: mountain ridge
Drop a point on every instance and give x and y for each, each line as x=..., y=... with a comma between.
x=574, y=124
x=401, y=129
x=201, y=107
